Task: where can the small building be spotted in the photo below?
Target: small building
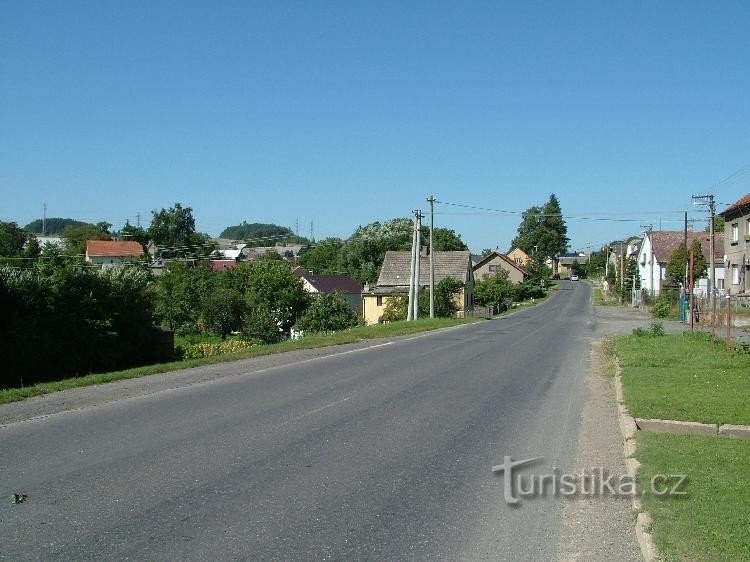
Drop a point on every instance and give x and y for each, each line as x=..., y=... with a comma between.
x=494, y=262
x=737, y=245
x=394, y=280
x=343, y=284
x=519, y=257
x=222, y=265
x=565, y=263
x=110, y=253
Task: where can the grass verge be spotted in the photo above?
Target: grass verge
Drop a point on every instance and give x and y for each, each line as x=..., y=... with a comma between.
x=312, y=341
x=684, y=377
x=711, y=521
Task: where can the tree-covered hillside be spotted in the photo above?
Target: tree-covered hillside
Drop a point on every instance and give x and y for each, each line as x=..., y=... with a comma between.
x=54, y=225
x=261, y=232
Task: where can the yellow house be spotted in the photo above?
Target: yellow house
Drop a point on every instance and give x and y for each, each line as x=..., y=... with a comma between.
x=394, y=280
x=519, y=257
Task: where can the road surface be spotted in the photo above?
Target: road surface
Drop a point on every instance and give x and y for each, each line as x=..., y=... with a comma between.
x=383, y=453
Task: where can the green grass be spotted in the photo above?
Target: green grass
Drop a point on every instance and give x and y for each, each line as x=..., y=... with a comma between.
x=312, y=341
x=684, y=377
x=712, y=522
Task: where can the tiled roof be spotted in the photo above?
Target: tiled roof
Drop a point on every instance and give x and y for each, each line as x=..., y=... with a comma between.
x=113, y=248
x=503, y=257
x=740, y=207
x=665, y=242
x=396, y=266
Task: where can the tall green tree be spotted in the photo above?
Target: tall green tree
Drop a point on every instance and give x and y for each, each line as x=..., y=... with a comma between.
x=543, y=233
x=323, y=258
x=327, y=312
x=173, y=231
x=75, y=236
x=18, y=244
x=678, y=262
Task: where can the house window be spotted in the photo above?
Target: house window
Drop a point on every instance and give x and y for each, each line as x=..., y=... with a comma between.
x=735, y=275
x=379, y=301
x=719, y=283
x=735, y=233
x=493, y=268
x=747, y=227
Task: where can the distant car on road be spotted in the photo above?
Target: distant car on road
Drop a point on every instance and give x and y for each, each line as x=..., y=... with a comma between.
x=574, y=277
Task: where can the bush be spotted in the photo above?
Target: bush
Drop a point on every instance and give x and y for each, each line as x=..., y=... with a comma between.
x=655, y=329
x=661, y=308
x=260, y=324
x=395, y=309
x=327, y=313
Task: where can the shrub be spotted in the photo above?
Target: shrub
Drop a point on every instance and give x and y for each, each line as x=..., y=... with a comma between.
x=661, y=308
x=395, y=309
x=327, y=313
x=260, y=324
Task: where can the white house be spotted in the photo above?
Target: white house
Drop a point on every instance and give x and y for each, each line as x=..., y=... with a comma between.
x=109, y=253
x=657, y=249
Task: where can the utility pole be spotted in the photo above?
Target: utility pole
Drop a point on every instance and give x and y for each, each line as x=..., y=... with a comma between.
x=708, y=200
x=431, y=201
x=419, y=216
x=647, y=228
x=44, y=220
x=138, y=219
x=412, y=269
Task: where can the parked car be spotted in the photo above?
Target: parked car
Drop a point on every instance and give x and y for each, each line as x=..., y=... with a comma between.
x=574, y=277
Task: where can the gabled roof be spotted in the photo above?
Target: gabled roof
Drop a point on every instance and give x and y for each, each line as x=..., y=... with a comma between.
x=113, y=248
x=506, y=259
x=396, y=267
x=328, y=283
x=740, y=207
x=665, y=242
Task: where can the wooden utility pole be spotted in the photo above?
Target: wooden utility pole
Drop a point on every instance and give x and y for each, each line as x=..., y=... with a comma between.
x=414, y=254
x=417, y=264
x=690, y=286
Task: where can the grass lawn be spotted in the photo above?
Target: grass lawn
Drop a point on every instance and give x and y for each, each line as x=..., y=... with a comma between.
x=684, y=377
x=712, y=522
x=315, y=340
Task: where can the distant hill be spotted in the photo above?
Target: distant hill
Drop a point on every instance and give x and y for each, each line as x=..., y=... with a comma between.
x=54, y=225
x=269, y=234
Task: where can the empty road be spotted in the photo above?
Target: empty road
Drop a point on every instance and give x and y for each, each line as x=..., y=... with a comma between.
x=384, y=452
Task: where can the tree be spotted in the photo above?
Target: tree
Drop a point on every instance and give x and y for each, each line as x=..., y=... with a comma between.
x=76, y=236
x=678, y=262
x=17, y=243
x=493, y=290
x=327, y=312
x=445, y=298
x=487, y=251
x=223, y=310
x=323, y=258
x=260, y=324
x=135, y=233
x=718, y=224
x=262, y=232
x=173, y=231
x=443, y=239
x=270, y=286
x=543, y=233
x=180, y=292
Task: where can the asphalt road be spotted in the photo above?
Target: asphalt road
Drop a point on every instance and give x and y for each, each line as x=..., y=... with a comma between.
x=377, y=453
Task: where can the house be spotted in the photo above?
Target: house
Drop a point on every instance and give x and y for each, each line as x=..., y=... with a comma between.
x=109, y=253
x=564, y=263
x=348, y=287
x=495, y=262
x=737, y=245
x=394, y=280
x=222, y=265
x=519, y=257
x=657, y=249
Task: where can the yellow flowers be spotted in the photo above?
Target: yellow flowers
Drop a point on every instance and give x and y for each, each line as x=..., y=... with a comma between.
x=209, y=349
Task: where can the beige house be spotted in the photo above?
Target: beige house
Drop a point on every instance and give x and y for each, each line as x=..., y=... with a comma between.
x=519, y=257
x=394, y=280
x=737, y=246
x=494, y=262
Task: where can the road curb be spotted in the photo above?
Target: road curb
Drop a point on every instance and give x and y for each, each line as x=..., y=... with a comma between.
x=628, y=427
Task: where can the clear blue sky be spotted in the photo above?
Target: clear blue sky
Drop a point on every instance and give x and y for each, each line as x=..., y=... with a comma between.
x=349, y=112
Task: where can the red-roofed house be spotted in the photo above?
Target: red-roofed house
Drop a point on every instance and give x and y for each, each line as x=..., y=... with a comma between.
x=737, y=244
x=109, y=253
x=348, y=287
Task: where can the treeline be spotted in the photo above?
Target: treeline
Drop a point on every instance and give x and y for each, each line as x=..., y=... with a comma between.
x=74, y=321
x=262, y=234
x=362, y=254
